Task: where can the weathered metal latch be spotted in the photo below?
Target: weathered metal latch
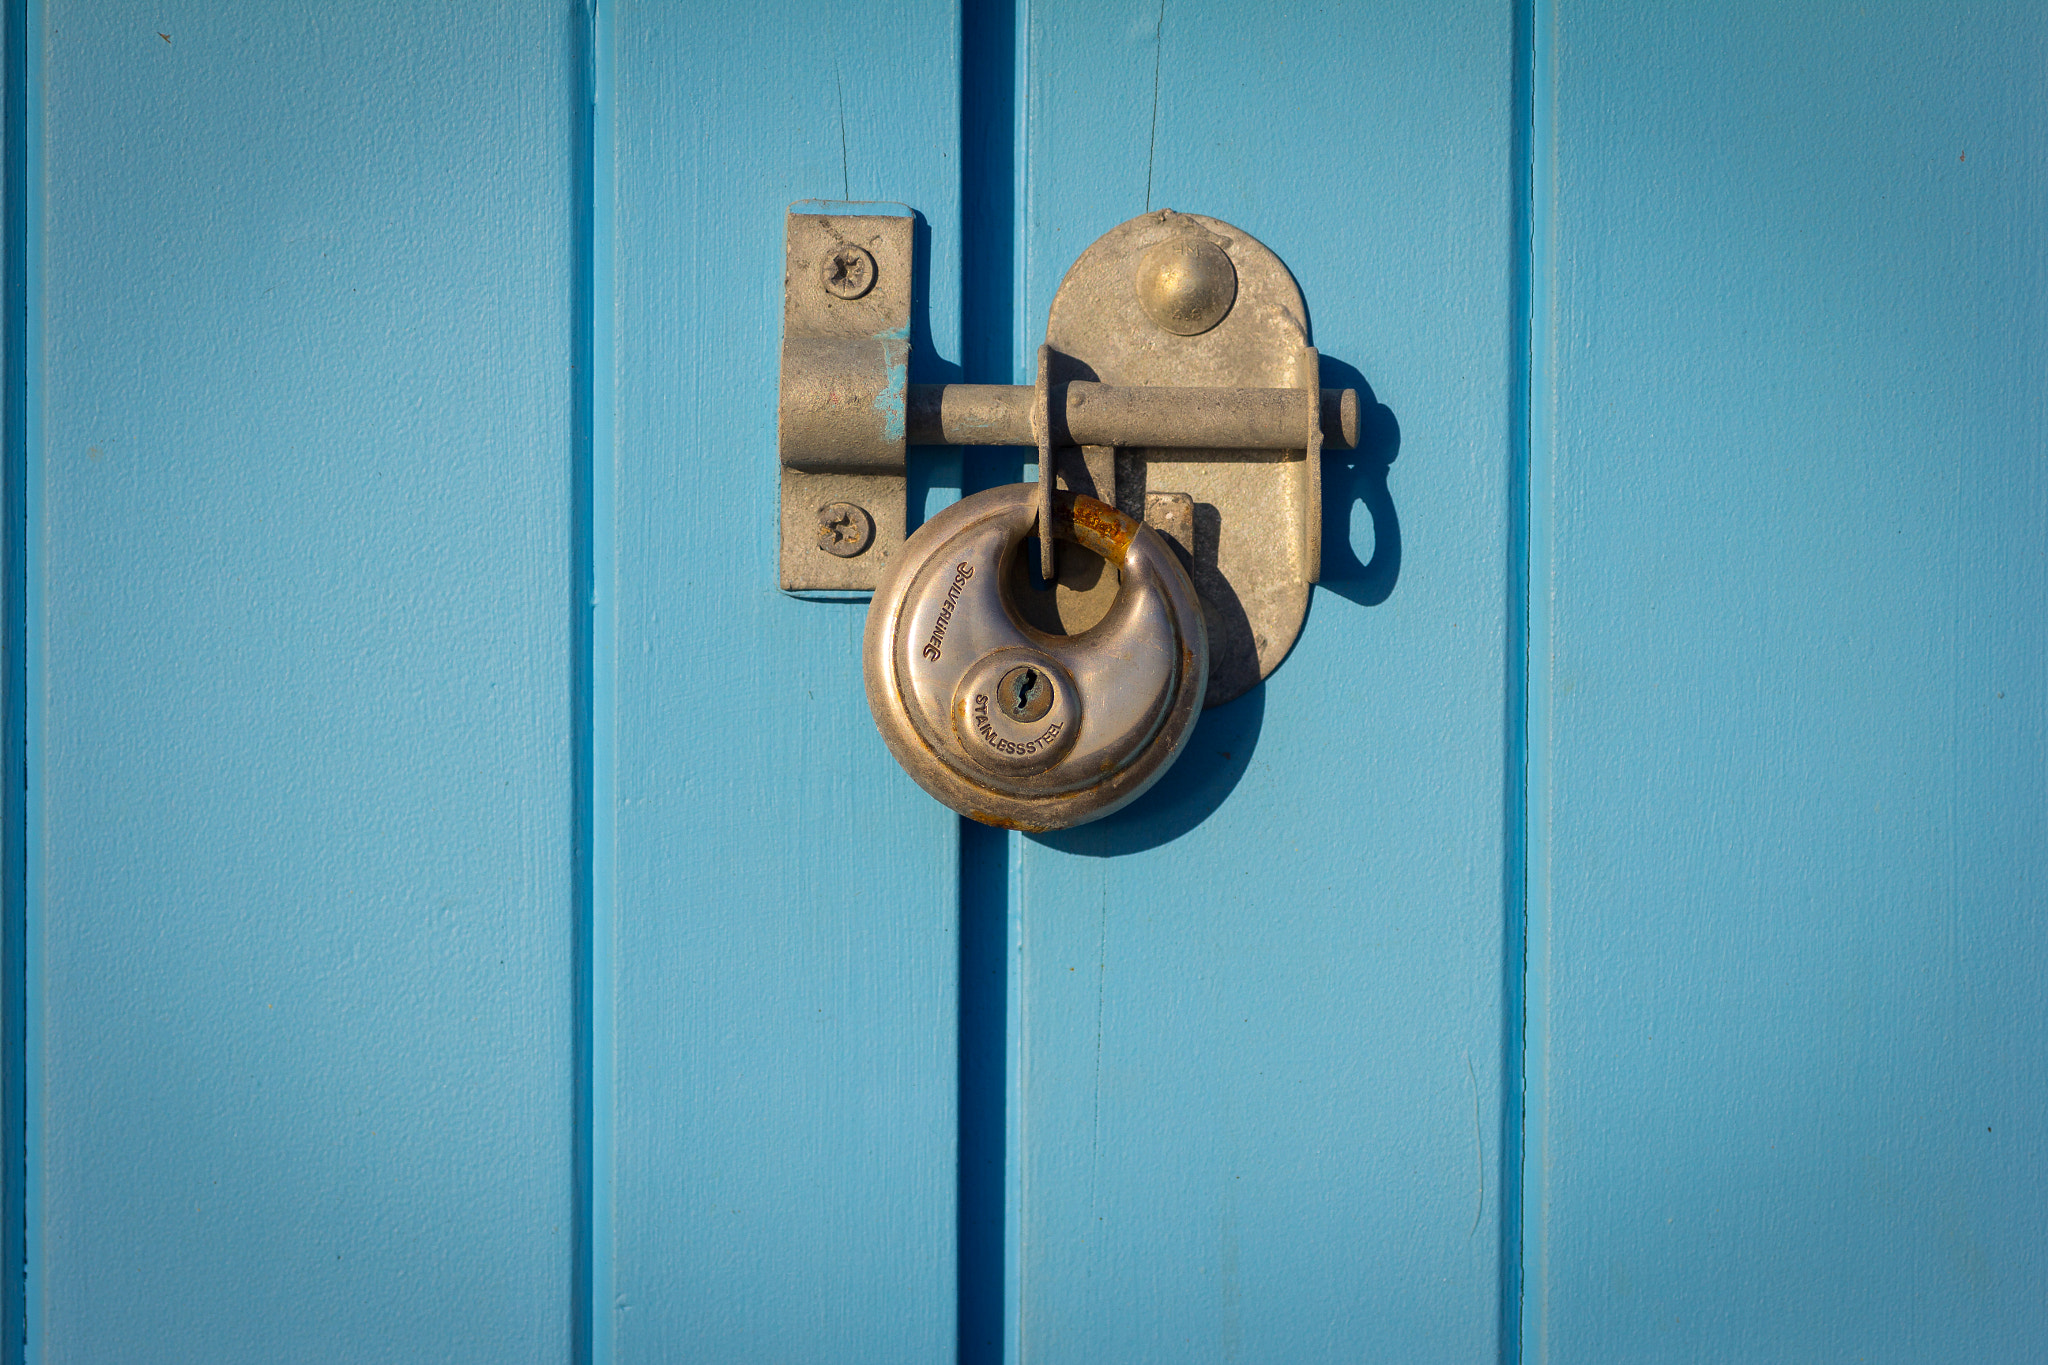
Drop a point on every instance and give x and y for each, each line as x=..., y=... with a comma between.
x=1176, y=385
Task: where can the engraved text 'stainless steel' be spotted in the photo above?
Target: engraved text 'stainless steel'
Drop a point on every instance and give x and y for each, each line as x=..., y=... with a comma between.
x=1176, y=388
x=1011, y=725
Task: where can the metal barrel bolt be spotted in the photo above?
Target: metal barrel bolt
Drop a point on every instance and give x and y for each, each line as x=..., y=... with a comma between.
x=1179, y=422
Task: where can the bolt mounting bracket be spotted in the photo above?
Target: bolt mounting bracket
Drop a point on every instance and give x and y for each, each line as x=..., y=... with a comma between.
x=1176, y=383
x=845, y=371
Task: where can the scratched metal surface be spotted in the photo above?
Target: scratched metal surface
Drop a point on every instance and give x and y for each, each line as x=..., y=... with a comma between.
x=1789, y=748
x=301, y=955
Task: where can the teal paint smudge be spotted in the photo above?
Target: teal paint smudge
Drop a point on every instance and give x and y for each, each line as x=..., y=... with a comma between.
x=890, y=402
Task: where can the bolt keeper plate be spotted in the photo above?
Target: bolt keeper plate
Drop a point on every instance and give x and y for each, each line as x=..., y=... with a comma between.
x=1253, y=517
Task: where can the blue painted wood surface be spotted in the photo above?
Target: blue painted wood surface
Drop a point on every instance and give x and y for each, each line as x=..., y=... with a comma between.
x=784, y=919
x=1789, y=880
x=1260, y=1013
x=300, y=914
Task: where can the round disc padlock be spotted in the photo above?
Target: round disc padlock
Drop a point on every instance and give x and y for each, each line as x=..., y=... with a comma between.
x=1010, y=725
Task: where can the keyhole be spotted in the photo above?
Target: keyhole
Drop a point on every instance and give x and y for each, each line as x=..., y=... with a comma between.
x=1027, y=688
x=1024, y=694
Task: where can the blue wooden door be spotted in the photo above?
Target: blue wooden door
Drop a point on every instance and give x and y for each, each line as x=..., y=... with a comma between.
x=1220, y=1076
x=458, y=909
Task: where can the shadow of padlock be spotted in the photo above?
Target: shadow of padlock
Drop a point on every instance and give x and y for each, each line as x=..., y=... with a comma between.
x=1010, y=725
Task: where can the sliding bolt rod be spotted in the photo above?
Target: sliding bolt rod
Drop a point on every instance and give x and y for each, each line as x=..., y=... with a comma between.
x=1084, y=414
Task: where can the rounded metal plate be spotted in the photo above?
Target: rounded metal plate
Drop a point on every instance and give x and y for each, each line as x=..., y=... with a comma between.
x=1256, y=523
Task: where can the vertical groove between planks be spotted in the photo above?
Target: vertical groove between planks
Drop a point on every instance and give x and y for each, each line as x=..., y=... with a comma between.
x=1023, y=344
x=13, y=810
x=990, y=242
x=23, y=1148
x=1515, y=793
x=596, y=761
x=990, y=136
x=1538, y=460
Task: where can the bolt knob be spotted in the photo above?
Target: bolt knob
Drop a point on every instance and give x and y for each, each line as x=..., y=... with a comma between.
x=1186, y=284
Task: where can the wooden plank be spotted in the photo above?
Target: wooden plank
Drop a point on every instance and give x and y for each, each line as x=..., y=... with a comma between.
x=783, y=924
x=1260, y=1067
x=1790, y=739
x=300, y=913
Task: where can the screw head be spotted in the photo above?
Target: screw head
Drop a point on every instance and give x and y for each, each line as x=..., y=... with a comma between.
x=847, y=272
x=1025, y=693
x=1186, y=284
x=844, y=529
